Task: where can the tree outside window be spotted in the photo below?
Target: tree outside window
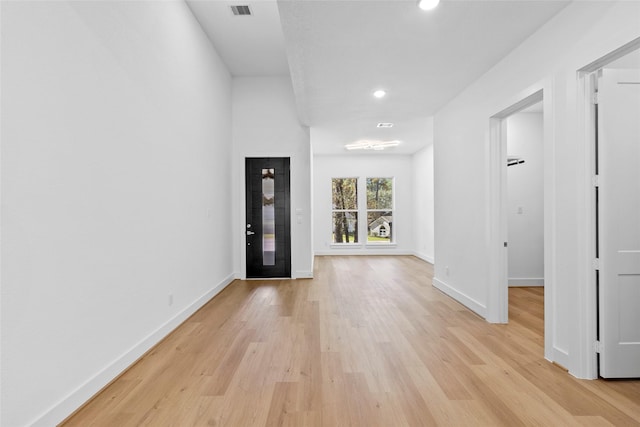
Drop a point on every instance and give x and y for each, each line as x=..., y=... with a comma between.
x=345, y=210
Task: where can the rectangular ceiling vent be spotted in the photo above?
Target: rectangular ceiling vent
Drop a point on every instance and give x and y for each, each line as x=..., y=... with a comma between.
x=241, y=10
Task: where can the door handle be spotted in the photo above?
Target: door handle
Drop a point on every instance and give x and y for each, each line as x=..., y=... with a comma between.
x=249, y=233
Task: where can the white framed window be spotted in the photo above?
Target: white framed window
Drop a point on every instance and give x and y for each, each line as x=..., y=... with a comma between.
x=344, y=211
x=380, y=206
x=364, y=216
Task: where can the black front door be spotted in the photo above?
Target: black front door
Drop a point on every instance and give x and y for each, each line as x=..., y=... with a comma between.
x=268, y=236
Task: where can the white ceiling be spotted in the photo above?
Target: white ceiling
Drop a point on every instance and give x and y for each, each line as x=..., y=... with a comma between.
x=339, y=51
x=249, y=45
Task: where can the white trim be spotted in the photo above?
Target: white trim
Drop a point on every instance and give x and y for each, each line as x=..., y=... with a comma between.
x=311, y=206
x=549, y=214
x=428, y=258
x=560, y=357
x=632, y=46
x=303, y=274
x=341, y=246
x=524, y=103
x=465, y=300
x=377, y=246
x=515, y=282
x=1, y=257
x=586, y=362
x=95, y=384
x=380, y=246
x=293, y=226
x=356, y=251
x=497, y=298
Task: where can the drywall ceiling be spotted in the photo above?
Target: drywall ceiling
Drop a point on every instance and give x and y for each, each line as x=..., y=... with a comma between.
x=249, y=45
x=340, y=51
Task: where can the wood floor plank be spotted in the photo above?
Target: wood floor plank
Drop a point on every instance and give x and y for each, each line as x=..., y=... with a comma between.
x=367, y=342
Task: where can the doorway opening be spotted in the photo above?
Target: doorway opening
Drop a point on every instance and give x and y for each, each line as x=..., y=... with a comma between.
x=615, y=98
x=520, y=208
x=590, y=298
x=525, y=204
x=268, y=217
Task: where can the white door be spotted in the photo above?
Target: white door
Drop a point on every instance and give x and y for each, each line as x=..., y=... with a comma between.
x=619, y=222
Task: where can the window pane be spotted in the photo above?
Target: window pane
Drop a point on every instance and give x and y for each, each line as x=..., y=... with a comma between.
x=379, y=193
x=380, y=226
x=268, y=218
x=345, y=193
x=345, y=227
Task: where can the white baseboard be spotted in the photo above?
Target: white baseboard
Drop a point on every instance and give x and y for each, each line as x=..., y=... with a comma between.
x=303, y=275
x=560, y=357
x=93, y=385
x=463, y=299
x=425, y=257
x=371, y=252
x=524, y=281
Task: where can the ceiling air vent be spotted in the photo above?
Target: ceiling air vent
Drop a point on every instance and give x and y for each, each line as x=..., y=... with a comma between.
x=241, y=10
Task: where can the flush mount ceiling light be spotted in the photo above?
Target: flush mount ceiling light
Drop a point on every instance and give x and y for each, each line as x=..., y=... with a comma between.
x=379, y=93
x=428, y=4
x=365, y=144
x=385, y=125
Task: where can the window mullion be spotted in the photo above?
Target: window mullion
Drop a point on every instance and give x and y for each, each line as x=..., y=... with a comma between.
x=362, y=209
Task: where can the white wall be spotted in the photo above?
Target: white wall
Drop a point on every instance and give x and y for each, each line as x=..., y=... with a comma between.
x=525, y=200
x=423, y=221
x=116, y=123
x=580, y=34
x=380, y=165
x=265, y=124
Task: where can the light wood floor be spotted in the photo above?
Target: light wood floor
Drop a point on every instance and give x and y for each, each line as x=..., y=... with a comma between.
x=367, y=342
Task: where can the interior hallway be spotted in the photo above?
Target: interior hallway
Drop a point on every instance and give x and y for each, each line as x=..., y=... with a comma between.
x=367, y=342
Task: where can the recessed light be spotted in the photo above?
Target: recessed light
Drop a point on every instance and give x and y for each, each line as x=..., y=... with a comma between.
x=379, y=93
x=428, y=4
x=385, y=125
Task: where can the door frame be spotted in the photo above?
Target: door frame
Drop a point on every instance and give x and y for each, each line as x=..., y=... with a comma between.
x=587, y=362
x=239, y=219
x=497, y=299
x=286, y=218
